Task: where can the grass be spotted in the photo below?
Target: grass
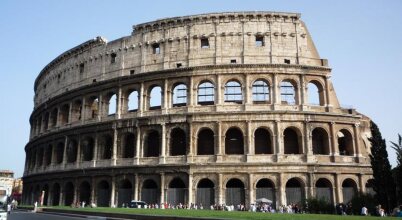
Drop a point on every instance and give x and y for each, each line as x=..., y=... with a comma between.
x=218, y=214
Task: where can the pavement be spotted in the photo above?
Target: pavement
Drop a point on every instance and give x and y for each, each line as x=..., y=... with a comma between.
x=28, y=215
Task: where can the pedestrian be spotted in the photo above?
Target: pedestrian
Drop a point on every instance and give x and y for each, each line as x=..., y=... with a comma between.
x=35, y=206
x=9, y=208
x=364, y=210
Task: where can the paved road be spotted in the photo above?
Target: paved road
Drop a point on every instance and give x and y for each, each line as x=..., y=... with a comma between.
x=17, y=215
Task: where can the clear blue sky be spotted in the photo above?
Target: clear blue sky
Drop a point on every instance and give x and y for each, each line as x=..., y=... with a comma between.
x=361, y=39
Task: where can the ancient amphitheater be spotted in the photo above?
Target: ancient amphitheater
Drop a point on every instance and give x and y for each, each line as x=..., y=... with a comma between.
x=219, y=108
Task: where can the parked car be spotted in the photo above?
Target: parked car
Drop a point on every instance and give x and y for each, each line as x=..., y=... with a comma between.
x=137, y=204
x=3, y=211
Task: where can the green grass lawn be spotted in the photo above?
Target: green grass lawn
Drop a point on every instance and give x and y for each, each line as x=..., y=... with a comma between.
x=219, y=214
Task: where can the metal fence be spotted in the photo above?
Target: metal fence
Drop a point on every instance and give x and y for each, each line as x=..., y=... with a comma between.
x=103, y=197
x=235, y=196
x=149, y=196
x=175, y=196
x=266, y=192
x=324, y=193
x=124, y=196
x=205, y=197
x=348, y=193
x=294, y=195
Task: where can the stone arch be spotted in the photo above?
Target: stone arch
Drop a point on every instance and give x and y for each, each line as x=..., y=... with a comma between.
x=124, y=193
x=150, y=191
x=59, y=153
x=295, y=191
x=265, y=188
x=178, y=142
x=45, y=190
x=292, y=141
x=128, y=145
x=349, y=190
x=262, y=141
x=323, y=190
x=345, y=142
x=87, y=148
x=206, y=93
x=103, y=193
x=152, y=144
x=233, y=92
x=132, y=100
x=235, y=192
x=48, y=154
x=92, y=107
x=234, y=143
x=54, y=117
x=320, y=141
x=56, y=194
x=288, y=89
x=205, y=193
x=205, y=142
x=179, y=95
x=85, y=192
x=110, y=103
x=105, y=147
x=72, y=148
x=315, y=93
x=176, y=192
x=64, y=114
x=155, y=97
x=68, y=193
x=76, y=110
x=260, y=91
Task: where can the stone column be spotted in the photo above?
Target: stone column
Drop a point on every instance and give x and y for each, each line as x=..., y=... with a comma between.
x=78, y=161
x=113, y=193
x=93, y=186
x=334, y=142
x=279, y=147
x=119, y=103
x=276, y=91
x=95, y=153
x=162, y=188
x=83, y=110
x=61, y=198
x=141, y=98
x=190, y=143
x=191, y=92
x=282, y=190
x=218, y=141
x=247, y=93
x=302, y=97
x=65, y=151
x=190, y=189
x=327, y=93
x=362, y=185
x=249, y=138
x=76, y=198
x=138, y=145
x=165, y=97
x=218, y=91
x=221, y=191
x=100, y=106
x=251, y=190
x=356, y=132
x=136, y=185
x=310, y=187
x=70, y=113
x=338, y=186
x=114, y=150
x=163, y=144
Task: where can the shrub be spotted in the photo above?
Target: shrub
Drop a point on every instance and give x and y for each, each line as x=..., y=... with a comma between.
x=363, y=199
x=318, y=206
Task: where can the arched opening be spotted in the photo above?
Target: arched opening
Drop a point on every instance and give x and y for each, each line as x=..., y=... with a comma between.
x=178, y=143
x=72, y=151
x=234, y=141
x=152, y=144
x=53, y=117
x=235, y=193
x=349, y=190
x=288, y=93
x=48, y=155
x=106, y=147
x=103, y=194
x=149, y=192
x=205, y=193
x=206, y=93
x=64, y=114
x=92, y=108
x=111, y=104
x=59, y=153
x=291, y=141
x=262, y=142
x=45, y=191
x=294, y=191
x=315, y=93
x=323, y=189
x=233, y=92
x=129, y=144
x=266, y=189
x=176, y=193
x=206, y=142
x=87, y=146
x=180, y=95
x=124, y=193
x=260, y=91
x=155, y=98
x=345, y=143
x=85, y=192
x=76, y=110
x=370, y=187
x=68, y=194
x=37, y=194
x=40, y=156
x=320, y=141
x=133, y=101
x=56, y=194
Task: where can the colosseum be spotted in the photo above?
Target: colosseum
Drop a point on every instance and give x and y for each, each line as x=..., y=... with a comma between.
x=220, y=108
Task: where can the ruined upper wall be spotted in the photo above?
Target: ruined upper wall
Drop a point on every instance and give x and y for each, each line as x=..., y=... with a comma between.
x=231, y=38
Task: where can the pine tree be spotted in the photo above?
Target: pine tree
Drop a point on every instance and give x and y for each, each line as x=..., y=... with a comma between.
x=384, y=184
x=398, y=169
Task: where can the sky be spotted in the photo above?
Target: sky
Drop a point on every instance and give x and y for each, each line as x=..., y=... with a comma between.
x=361, y=39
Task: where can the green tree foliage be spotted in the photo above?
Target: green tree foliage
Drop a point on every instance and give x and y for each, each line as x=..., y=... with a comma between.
x=318, y=206
x=398, y=169
x=384, y=184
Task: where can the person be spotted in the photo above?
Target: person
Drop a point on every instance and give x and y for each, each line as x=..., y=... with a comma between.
x=364, y=210
x=35, y=206
x=399, y=214
x=9, y=208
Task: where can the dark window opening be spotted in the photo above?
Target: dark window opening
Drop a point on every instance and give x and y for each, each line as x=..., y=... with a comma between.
x=178, y=144
x=106, y=147
x=113, y=58
x=345, y=142
x=132, y=72
x=232, y=61
x=320, y=141
x=262, y=142
x=87, y=149
x=291, y=142
x=234, y=143
x=82, y=68
x=204, y=43
x=205, y=142
x=156, y=49
x=152, y=145
x=94, y=80
x=129, y=146
x=259, y=41
x=72, y=151
x=287, y=61
x=178, y=65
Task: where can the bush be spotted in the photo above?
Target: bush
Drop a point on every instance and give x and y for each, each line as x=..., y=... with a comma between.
x=363, y=199
x=318, y=206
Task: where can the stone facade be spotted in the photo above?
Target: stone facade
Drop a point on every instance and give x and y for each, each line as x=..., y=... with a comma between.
x=211, y=108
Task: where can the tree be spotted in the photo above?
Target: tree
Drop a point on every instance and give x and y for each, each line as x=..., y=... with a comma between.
x=398, y=169
x=384, y=184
